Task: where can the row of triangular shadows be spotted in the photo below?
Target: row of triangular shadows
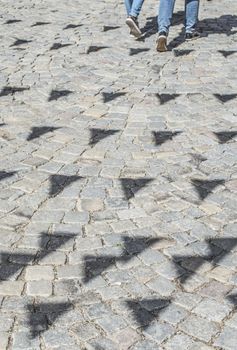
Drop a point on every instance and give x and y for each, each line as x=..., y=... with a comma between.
x=130, y=186
x=145, y=310
x=97, y=134
x=107, y=96
x=68, y=26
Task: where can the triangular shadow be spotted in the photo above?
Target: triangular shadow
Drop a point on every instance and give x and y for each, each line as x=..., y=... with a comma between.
x=11, y=90
x=94, y=48
x=72, y=26
x=132, y=246
x=225, y=136
x=60, y=182
x=227, y=53
x=147, y=310
x=180, y=53
x=226, y=97
x=11, y=21
x=233, y=299
x=197, y=158
x=44, y=315
x=205, y=187
x=100, y=134
x=110, y=96
x=219, y=248
x=52, y=243
x=56, y=94
x=40, y=24
x=132, y=186
x=57, y=46
x=38, y=131
x=6, y=174
x=107, y=28
x=137, y=51
x=19, y=42
x=164, y=98
x=11, y=263
x=161, y=137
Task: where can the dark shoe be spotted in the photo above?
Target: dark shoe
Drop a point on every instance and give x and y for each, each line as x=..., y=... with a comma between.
x=161, y=42
x=134, y=27
x=192, y=36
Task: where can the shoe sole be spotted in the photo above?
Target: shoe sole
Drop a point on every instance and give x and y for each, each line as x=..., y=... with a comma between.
x=135, y=31
x=161, y=44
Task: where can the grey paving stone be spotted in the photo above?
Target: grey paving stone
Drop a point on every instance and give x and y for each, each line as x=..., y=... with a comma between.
x=160, y=331
x=227, y=339
x=212, y=310
x=199, y=328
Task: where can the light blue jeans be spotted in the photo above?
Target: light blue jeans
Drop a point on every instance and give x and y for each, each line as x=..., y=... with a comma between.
x=133, y=7
x=166, y=12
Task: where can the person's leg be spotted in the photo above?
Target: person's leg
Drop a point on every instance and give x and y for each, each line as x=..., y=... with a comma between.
x=164, y=21
x=165, y=15
x=136, y=8
x=128, y=5
x=191, y=15
x=133, y=13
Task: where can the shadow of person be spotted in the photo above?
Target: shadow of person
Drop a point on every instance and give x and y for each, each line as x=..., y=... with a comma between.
x=208, y=26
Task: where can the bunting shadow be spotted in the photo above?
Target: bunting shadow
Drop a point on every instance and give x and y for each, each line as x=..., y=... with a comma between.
x=37, y=24
x=147, y=310
x=43, y=315
x=38, y=131
x=100, y=134
x=225, y=136
x=19, y=42
x=227, y=53
x=132, y=186
x=6, y=174
x=94, y=48
x=226, y=97
x=110, y=96
x=60, y=182
x=13, y=263
x=180, y=53
x=11, y=21
x=96, y=265
x=11, y=90
x=72, y=26
x=205, y=187
x=56, y=94
x=233, y=299
x=57, y=46
x=137, y=51
x=107, y=28
x=197, y=159
x=164, y=98
x=161, y=137
x=219, y=248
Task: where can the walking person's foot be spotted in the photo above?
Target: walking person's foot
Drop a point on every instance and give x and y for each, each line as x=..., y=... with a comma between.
x=134, y=27
x=161, y=43
x=192, y=36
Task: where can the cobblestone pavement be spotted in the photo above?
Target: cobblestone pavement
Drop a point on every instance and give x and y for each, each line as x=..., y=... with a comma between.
x=118, y=179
